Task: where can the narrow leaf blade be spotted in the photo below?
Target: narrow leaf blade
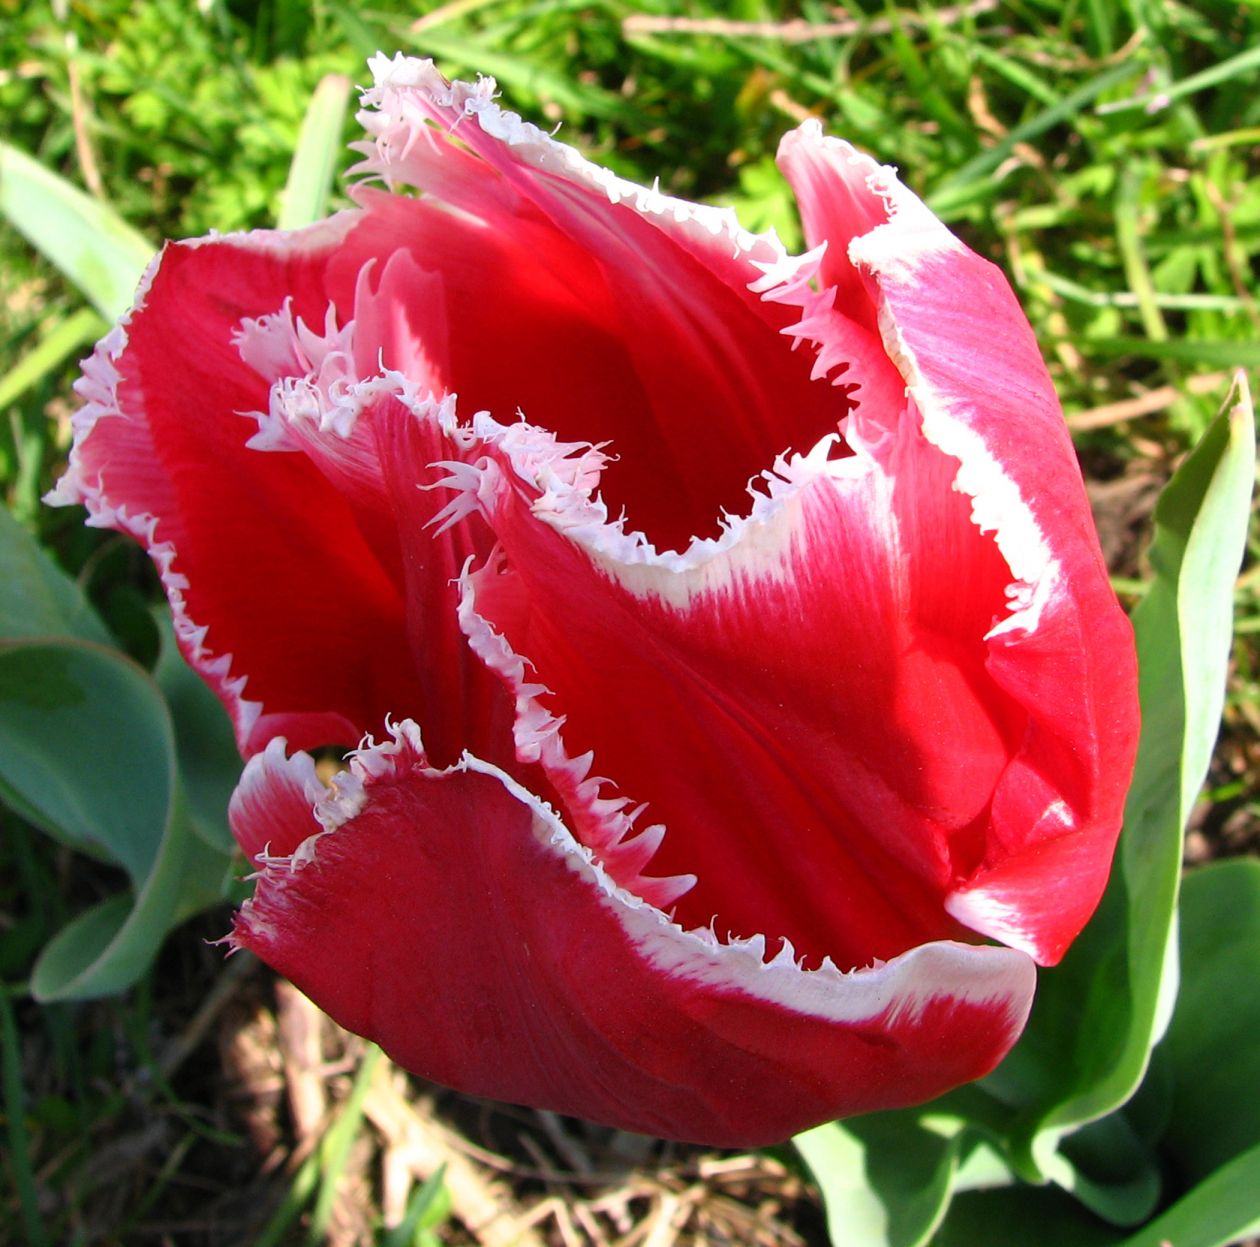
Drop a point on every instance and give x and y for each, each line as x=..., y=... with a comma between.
x=85, y=238
x=77, y=332
x=319, y=145
x=1221, y=1210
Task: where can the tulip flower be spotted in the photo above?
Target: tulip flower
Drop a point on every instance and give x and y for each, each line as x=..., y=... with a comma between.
x=743, y=707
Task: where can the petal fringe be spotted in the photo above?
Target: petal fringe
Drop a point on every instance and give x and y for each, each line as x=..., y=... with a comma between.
x=832, y=642
x=502, y=960
x=1063, y=649
x=618, y=315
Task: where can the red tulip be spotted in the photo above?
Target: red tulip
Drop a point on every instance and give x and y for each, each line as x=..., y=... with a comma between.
x=745, y=603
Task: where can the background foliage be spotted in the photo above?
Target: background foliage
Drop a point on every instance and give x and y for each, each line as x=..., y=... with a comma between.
x=1104, y=152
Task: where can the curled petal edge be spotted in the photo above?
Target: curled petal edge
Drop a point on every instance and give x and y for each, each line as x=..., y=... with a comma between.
x=502, y=960
x=956, y=332
x=114, y=448
x=81, y=485
x=408, y=92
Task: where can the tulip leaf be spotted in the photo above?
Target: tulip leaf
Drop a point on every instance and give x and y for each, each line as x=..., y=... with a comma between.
x=209, y=764
x=1045, y=1216
x=1110, y=1168
x=86, y=748
x=87, y=752
x=1100, y=1012
x=1213, y=1052
x=38, y=599
x=319, y=145
x=85, y=238
x=1223, y=1209
x=106, y=949
x=885, y=1178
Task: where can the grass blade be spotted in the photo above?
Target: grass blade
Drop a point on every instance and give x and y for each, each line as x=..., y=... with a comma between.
x=335, y=1149
x=319, y=145
x=408, y=1231
x=15, y=1117
x=77, y=331
x=85, y=238
x=974, y=176
x=1219, y=1211
x=1244, y=62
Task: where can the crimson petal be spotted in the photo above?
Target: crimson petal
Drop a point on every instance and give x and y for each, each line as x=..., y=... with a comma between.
x=500, y=958
x=776, y=621
x=797, y=703
x=1065, y=650
x=290, y=589
x=639, y=304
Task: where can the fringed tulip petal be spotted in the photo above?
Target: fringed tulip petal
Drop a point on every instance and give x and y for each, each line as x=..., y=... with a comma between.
x=500, y=958
x=817, y=641
x=277, y=599
x=641, y=304
x=746, y=603
x=270, y=811
x=292, y=592
x=385, y=448
x=1063, y=651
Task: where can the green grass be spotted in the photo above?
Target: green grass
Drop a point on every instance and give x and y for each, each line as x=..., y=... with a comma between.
x=1104, y=152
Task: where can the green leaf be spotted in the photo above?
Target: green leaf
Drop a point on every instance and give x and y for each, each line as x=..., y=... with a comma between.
x=1221, y=1210
x=67, y=336
x=209, y=764
x=336, y=1143
x=424, y=1209
x=319, y=146
x=38, y=599
x=87, y=751
x=1206, y=353
x=1244, y=65
x=1110, y=1168
x=1044, y=1216
x=85, y=238
x=105, y=950
x=975, y=178
x=1213, y=1044
x=86, y=748
x=885, y=1178
x=1099, y=1013
x=321, y=1170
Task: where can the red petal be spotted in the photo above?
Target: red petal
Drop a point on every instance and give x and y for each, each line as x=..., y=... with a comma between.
x=804, y=705
x=305, y=586
x=617, y=314
x=261, y=600
x=385, y=449
x=1065, y=653
x=498, y=959
x=270, y=811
